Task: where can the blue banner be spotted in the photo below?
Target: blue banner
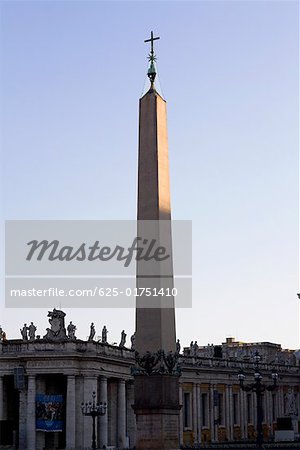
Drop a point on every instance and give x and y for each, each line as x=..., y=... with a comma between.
x=49, y=412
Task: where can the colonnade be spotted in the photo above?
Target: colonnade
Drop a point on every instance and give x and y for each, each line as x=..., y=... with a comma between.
x=229, y=420
x=229, y=412
x=78, y=427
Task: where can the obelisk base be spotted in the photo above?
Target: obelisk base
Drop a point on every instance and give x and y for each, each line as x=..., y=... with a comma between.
x=157, y=412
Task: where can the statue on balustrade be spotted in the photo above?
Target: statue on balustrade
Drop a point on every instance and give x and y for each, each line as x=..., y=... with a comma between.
x=92, y=332
x=104, y=335
x=57, y=332
x=192, y=348
x=195, y=348
x=31, y=331
x=71, y=331
x=2, y=335
x=132, y=339
x=123, y=339
x=24, y=331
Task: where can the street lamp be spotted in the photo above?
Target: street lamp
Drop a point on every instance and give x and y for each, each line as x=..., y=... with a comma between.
x=259, y=389
x=93, y=410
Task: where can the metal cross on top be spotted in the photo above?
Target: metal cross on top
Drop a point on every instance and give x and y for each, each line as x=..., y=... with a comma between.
x=152, y=39
x=152, y=58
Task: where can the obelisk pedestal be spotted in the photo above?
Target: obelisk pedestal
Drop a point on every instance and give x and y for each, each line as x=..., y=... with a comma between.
x=157, y=411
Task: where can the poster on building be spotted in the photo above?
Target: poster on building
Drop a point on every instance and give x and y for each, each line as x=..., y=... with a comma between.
x=49, y=412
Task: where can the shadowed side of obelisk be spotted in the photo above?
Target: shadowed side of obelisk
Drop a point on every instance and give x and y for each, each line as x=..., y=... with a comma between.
x=156, y=373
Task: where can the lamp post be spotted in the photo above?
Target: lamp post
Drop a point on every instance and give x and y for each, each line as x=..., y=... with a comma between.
x=93, y=410
x=259, y=389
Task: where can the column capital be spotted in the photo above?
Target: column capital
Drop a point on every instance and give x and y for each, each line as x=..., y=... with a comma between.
x=89, y=376
x=103, y=377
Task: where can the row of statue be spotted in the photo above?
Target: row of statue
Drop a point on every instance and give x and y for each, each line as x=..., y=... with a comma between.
x=245, y=353
x=104, y=335
x=29, y=333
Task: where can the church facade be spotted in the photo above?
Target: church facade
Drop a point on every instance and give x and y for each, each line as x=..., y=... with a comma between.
x=213, y=407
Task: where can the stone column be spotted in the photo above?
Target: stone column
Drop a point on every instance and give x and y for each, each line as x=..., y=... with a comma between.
x=1, y=398
x=212, y=411
x=70, y=413
x=265, y=409
x=253, y=407
x=22, y=419
x=227, y=412
x=31, y=394
x=199, y=412
x=180, y=416
x=90, y=386
x=130, y=416
x=254, y=397
x=243, y=414
x=103, y=420
x=278, y=402
x=121, y=416
x=268, y=408
x=281, y=401
x=216, y=425
x=194, y=409
x=230, y=413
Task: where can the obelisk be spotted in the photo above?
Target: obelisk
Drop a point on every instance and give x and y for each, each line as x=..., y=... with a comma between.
x=156, y=375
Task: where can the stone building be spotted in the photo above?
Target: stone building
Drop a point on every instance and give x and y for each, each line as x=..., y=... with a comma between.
x=213, y=406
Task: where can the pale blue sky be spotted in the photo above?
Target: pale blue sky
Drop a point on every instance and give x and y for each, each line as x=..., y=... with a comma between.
x=72, y=74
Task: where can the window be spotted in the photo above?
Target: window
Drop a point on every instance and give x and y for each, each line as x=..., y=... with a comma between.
x=204, y=409
x=249, y=408
x=187, y=409
x=235, y=399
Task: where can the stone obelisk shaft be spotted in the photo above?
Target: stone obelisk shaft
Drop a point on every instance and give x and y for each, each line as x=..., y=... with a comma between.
x=155, y=327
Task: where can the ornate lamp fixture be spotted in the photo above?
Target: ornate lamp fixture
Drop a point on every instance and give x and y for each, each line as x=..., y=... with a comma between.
x=259, y=389
x=93, y=410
